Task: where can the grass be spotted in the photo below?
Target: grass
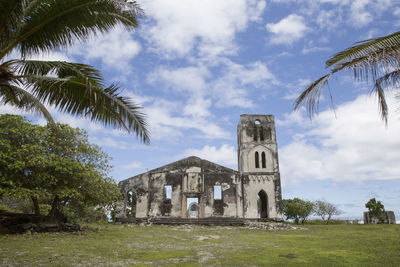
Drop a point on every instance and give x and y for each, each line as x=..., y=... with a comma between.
x=121, y=245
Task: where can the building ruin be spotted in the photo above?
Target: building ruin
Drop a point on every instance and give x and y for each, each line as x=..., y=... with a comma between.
x=197, y=188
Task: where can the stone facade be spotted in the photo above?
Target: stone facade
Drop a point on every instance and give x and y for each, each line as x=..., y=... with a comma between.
x=196, y=188
x=389, y=218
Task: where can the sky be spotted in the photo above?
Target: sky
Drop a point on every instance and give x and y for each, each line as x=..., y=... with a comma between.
x=195, y=66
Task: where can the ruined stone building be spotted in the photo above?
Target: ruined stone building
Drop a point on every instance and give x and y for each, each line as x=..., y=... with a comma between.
x=197, y=188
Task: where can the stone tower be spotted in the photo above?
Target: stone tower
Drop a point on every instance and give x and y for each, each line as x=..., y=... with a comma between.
x=259, y=167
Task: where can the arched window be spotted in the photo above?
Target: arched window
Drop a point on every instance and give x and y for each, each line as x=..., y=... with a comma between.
x=263, y=162
x=131, y=204
x=257, y=160
x=261, y=133
x=255, y=134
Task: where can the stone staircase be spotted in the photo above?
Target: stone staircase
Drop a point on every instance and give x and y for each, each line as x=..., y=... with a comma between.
x=200, y=221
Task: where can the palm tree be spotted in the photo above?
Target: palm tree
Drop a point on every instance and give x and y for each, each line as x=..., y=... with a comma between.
x=377, y=59
x=30, y=27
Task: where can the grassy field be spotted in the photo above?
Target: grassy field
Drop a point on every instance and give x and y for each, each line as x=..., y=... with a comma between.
x=121, y=245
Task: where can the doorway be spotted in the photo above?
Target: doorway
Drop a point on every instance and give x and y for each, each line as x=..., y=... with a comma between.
x=262, y=204
x=192, y=207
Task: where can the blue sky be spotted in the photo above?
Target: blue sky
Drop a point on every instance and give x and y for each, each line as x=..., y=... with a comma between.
x=195, y=66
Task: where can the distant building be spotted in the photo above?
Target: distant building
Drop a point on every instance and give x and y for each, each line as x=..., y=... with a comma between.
x=197, y=188
x=388, y=218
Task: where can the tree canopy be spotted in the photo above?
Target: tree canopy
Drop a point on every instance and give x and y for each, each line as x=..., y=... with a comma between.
x=376, y=209
x=30, y=27
x=297, y=209
x=53, y=165
x=325, y=210
x=376, y=59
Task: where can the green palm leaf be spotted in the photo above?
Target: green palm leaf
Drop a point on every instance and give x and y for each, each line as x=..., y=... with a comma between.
x=79, y=90
x=377, y=59
x=35, y=26
x=372, y=47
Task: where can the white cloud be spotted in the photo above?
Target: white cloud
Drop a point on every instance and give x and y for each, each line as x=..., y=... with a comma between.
x=354, y=147
x=288, y=30
x=227, y=88
x=166, y=120
x=359, y=15
x=180, y=25
x=115, y=48
x=225, y=155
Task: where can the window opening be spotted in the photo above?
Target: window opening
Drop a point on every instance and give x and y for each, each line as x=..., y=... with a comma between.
x=255, y=134
x=263, y=163
x=257, y=160
x=192, y=207
x=131, y=205
x=168, y=191
x=261, y=134
x=217, y=192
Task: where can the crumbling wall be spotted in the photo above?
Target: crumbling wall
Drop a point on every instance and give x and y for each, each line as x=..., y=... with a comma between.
x=139, y=185
x=252, y=185
x=389, y=218
x=227, y=206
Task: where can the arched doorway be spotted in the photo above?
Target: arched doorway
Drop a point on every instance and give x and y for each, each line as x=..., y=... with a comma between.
x=131, y=204
x=262, y=204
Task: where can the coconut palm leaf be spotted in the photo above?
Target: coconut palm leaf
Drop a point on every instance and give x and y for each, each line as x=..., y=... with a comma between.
x=35, y=26
x=377, y=59
x=364, y=49
x=78, y=89
x=49, y=24
x=22, y=99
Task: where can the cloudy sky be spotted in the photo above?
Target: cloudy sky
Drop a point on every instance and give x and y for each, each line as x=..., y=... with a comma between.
x=195, y=66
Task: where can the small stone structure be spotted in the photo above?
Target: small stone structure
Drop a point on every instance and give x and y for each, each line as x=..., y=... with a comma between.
x=389, y=218
x=252, y=192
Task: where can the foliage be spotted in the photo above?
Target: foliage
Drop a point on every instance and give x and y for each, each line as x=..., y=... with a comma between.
x=376, y=209
x=55, y=166
x=324, y=222
x=376, y=59
x=29, y=28
x=297, y=209
x=125, y=245
x=18, y=205
x=325, y=209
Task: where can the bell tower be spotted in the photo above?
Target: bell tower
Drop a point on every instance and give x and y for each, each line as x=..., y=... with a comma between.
x=259, y=167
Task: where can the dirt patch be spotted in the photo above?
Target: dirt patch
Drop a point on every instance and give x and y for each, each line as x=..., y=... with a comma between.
x=289, y=256
x=207, y=237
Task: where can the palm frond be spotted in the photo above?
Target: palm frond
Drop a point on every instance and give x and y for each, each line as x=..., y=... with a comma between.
x=312, y=94
x=22, y=99
x=60, y=69
x=11, y=16
x=77, y=96
x=57, y=23
x=367, y=48
x=391, y=79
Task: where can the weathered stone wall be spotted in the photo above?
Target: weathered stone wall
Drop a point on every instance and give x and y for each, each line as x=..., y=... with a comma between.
x=389, y=218
x=193, y=177
x=258, y=164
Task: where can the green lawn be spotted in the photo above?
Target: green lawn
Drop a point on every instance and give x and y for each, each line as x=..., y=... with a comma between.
x=121, y=245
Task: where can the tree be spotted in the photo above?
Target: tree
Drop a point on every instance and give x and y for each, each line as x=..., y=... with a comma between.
x=297, y=209
x=325, y=209
x=30, y=27
x=53, y=165
x=376, y=209
x=376, y=59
